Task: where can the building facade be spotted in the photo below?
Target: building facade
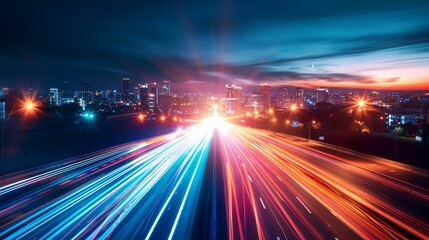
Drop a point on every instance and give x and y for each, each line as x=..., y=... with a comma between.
x=233, y=99
x=266, y=95
x=322, y=95
x=125, y=89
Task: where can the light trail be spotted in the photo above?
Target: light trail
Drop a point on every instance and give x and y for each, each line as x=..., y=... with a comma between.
x=311, y=195
x=272, y=187
x=91, y=197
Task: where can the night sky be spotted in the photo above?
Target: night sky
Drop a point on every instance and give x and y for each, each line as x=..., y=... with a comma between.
x=201, y=45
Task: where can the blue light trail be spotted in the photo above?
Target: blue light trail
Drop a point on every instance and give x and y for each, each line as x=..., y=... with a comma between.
x=149, y=184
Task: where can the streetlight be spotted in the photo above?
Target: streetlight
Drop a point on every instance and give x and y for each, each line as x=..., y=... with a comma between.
x=29, y=106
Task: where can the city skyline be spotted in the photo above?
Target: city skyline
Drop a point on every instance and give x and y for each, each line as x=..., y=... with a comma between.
x=191, y=119
x=202, y=47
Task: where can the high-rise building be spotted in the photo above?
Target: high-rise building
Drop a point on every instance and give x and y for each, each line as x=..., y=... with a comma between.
x=255, y=100
x=266, y=95
x=115, y=95
x=337, y=98
x=299, y=100
x=149, y=98
x=233, y=98
x=165, y=104
x=165, y=99
x=274, y=100
x=144, y=95
x=153, y=95
x=125, y=89
x=246, y=99
x=66, y=95
x=54, y=98
x=165, y=88
x=284, y=99
x=322, y=95
x=86, y=91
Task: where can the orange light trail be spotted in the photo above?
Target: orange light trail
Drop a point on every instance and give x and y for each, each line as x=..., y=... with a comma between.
x=289, y=189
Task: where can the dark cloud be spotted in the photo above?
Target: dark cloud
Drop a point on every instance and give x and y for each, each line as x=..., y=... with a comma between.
x=197, y=42
x=362, y=45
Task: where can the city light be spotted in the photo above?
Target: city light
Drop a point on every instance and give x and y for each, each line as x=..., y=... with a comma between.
x=361, y=104
x=220, y=120
x=267, y=169
x=29, y=106
x=88, y=115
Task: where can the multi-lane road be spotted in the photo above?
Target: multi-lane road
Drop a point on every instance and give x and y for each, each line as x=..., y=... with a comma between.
x=144, y=189
x=216, y=180
x=282, y=187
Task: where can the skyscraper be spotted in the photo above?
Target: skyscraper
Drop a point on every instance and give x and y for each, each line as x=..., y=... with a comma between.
x=322, y=95
x=153, y=95
x=86, y=91
x=284, y=98
x=300, y=101
x=233, y=98
x=144, y=94
x=149, y=98
x=125, y=89
x=165, y=88
x=266, y=95
x=54, y=98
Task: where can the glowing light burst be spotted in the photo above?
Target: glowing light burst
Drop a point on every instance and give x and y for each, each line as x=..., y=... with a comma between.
x=29, y=106
x=99, y=192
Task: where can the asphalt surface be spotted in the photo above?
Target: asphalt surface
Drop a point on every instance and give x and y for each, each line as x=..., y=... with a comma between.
x=218, y=181
x=283, y=187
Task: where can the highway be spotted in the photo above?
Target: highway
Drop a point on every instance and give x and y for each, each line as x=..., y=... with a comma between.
x=283, y=187
x=143, y=189
x=216, y=180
